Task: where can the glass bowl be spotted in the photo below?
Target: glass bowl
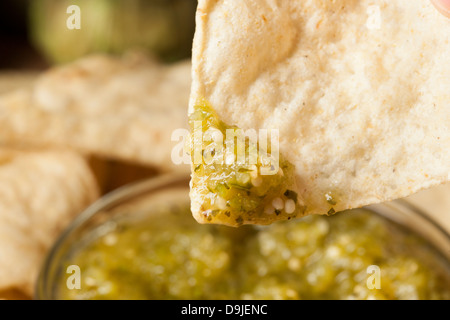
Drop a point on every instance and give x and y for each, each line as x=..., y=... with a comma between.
x=171, y=192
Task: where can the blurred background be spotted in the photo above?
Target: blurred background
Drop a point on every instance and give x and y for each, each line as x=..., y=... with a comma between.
x=34, y=36
x=34, y=33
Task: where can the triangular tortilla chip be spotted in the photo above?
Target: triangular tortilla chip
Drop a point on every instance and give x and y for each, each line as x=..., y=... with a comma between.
x=359, y=91
x=40, y=193
x=119, y=108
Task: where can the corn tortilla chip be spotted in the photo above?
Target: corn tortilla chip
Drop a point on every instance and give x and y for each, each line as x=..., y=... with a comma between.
x=119, y=108
x=359, y=91
x=40, y=192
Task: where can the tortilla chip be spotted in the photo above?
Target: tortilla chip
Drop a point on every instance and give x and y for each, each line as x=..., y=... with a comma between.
x=359, y=91
x=120, y=108
x=40, y=192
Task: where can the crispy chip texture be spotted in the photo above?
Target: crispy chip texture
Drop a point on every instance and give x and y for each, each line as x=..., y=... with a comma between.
x=120, y=108
x=359, y=90
x=40, y=192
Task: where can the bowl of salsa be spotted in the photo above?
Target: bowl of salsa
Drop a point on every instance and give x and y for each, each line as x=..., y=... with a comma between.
x=141, y=242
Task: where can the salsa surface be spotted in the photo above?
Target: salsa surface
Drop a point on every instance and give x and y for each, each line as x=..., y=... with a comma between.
x=170, y=256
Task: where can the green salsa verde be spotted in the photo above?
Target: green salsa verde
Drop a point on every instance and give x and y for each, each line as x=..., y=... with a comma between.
x=170, y=256
x=246, y=190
